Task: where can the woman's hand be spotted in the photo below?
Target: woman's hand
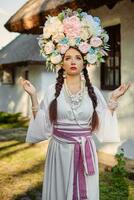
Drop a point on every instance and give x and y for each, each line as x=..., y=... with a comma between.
x=28, y=87
x=121, y=90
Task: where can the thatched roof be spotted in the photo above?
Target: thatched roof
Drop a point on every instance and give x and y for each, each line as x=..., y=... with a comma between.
x=32, y=15
x=21, y=51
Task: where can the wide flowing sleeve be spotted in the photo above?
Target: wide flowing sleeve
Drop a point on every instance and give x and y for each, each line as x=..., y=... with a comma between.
x=108, y=130
x=40, y=127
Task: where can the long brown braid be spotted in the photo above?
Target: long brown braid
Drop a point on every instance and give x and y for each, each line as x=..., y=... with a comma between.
x=91, y=93
x=53, y=104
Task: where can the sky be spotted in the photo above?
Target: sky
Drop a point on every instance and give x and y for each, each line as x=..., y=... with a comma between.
x=7, y=9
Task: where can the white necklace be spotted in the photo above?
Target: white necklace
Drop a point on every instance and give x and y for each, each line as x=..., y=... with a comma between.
x=75, y=99
x=75, y=103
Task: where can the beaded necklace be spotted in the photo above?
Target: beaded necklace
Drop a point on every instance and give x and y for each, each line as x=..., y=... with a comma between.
x=75, y=100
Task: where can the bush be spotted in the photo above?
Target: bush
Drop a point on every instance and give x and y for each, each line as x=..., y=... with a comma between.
x=119, y=169
x=114, y=185
x=9, y=117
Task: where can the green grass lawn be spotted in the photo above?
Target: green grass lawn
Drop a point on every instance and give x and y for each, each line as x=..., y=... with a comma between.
x=22, y=166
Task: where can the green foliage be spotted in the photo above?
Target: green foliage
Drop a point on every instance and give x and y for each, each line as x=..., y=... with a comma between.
x=61, y=16
x=119, y=169
x=12, y=120
x=9, y=117
x=115, y=185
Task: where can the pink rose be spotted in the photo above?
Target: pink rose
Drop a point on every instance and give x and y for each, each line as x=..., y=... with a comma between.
x=83, y=47
x=95, y=41
x=72, y=26
x=63, y=48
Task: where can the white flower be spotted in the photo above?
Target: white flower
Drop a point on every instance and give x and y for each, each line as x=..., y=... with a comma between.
x=90, y=24
x=91, y=58
x=57, y=37
x=55, y=59
x=105, y=37
x=72, y=42
x=49, y=47
x=86, y=31
x=46, y=32
x=54, y=25
x=84, y=34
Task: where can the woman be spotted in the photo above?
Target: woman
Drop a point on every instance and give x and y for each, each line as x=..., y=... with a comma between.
x=72, y=111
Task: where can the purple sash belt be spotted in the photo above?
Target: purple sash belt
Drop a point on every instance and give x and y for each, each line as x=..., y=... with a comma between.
x=83, y=163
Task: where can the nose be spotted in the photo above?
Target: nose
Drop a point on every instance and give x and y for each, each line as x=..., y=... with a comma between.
x=73, y=61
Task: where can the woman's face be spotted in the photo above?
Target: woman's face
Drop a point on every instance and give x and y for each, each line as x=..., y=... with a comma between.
x=73, y=62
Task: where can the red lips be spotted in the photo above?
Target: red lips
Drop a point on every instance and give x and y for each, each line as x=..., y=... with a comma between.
x=73, y=67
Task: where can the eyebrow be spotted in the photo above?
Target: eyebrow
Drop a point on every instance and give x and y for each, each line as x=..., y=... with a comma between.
x=70, y=55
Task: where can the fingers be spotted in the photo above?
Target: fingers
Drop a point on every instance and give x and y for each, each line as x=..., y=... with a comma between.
x=129, y=84
x=121, y=87
x=22, y=81
x=125, y=87
x=26, y=82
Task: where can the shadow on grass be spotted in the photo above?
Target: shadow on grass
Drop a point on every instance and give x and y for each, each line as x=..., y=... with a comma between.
x=14, y=152
x=34, y=169
x=34, y=193
x=11, y=145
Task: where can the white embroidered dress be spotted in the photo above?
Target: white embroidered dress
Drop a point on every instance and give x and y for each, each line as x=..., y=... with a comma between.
x=58, y=178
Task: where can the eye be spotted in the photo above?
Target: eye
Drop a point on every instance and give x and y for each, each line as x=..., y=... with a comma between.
x=67, y=58
x=78, y=57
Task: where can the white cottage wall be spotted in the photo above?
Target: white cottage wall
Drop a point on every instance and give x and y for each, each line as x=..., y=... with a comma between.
x=12, y=97
x=122, y=13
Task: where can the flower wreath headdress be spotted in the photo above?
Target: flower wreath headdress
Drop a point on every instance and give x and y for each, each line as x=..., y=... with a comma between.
x=73, y=29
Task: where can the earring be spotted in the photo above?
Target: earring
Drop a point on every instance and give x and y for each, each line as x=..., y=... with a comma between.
x=82, y=76
x=64, y=74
